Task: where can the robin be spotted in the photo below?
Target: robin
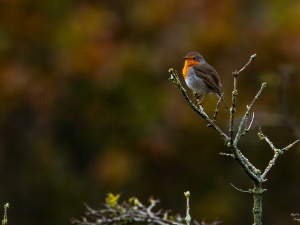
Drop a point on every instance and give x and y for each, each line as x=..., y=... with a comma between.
x=200, y=77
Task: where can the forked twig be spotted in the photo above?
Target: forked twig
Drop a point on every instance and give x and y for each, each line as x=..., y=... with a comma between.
x=277, y=152
x=234, y=94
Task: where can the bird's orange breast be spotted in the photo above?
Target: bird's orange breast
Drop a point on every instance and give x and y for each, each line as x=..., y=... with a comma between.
x=187, y=65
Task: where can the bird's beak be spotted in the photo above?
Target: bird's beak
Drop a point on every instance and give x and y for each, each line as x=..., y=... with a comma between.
x=184, y=57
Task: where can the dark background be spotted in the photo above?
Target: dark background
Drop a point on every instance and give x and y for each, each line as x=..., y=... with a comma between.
x=86, y=107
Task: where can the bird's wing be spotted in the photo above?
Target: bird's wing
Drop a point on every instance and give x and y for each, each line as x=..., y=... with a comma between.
x=209, y=76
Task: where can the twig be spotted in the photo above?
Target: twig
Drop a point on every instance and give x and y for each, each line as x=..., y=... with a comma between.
x=151, y=206
x=277, y=152
x=247, y=127
x=217, y=109
x=252, y=57
x=249, y=109
x=250, y=169
x=288, y=147
x=263, y=137
x=232, y=113
x=5, y=220
x=188, y=217
x=227, y=154
x=234, y=94
x=240, y=189
x=247, y=130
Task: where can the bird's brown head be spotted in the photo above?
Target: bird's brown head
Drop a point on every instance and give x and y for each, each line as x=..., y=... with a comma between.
x=191, y=59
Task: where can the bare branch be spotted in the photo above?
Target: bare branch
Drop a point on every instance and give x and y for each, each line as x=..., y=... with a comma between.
x=240, y=189
x=277, y=152
x=217, y=109
x=252, y=57
x=249, y=109
x=5, y=220
x=232, y=113
x=227, y=154
x=288, y=147
x=247, y=130
x=234, y=94
x=188, y=217
x=263, y=137
x=250, y=169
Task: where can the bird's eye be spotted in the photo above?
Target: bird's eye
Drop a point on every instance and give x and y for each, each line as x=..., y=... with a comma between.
x=194, y=58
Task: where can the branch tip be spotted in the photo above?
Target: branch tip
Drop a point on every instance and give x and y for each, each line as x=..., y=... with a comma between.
x=187, y=194
x=289, y=146
x=253, y=56
x=188, y=217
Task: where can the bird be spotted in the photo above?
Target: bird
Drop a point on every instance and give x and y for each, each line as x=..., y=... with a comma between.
x=201, y=78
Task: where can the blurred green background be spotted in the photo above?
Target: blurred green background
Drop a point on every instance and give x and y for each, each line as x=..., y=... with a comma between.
x=86, y=107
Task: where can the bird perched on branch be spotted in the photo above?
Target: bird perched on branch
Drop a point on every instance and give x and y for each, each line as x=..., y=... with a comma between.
x=201, y=78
